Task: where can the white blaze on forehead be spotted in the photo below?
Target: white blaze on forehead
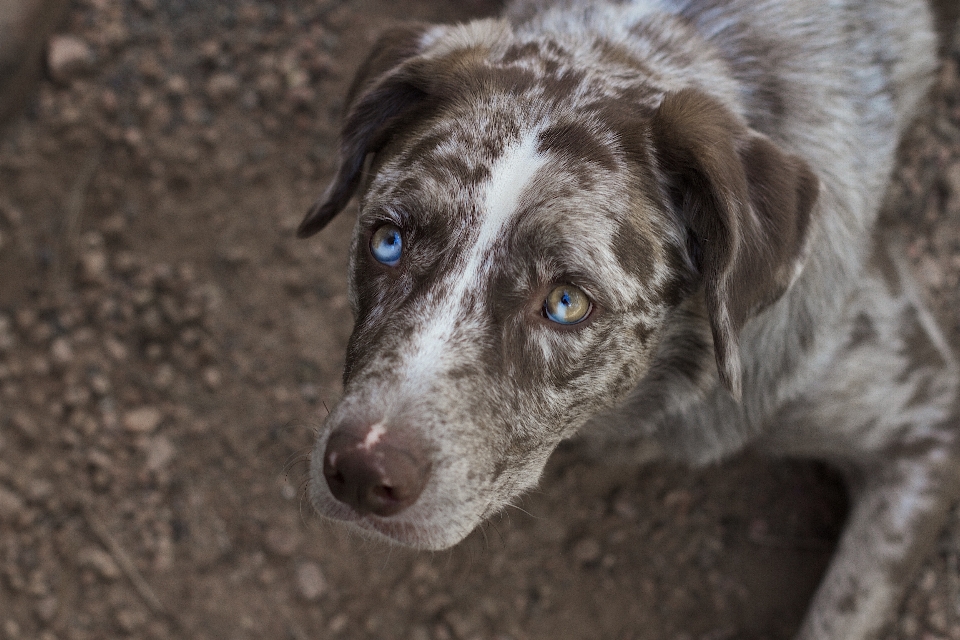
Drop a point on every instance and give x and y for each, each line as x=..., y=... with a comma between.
x=510, y=177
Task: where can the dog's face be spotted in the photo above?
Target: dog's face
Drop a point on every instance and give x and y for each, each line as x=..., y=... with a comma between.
x=521, y=242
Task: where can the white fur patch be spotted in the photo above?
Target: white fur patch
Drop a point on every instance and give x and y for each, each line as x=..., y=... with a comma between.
x=373, y=436
x=510, y=176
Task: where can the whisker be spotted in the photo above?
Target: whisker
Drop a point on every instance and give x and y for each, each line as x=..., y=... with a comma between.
x=521, y=509
x=503, y=541
x=304, y=497
x=295, y=459
x=483, y=532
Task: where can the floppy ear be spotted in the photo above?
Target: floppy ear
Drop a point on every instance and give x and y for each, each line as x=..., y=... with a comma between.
x=380, y=95
x=747, y=206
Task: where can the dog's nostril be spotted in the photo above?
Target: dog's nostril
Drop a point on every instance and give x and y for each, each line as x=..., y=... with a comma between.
x=373, y=475
x=336, y=477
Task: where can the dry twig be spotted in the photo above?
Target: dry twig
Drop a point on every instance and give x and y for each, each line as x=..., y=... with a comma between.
x=129, y=569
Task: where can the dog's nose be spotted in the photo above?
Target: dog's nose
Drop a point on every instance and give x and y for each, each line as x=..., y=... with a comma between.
x=374, y=471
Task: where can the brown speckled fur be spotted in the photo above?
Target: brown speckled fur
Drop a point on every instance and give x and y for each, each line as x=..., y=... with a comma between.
x=709, y=173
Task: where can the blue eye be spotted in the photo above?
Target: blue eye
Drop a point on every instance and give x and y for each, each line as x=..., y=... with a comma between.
x=567, y=304
x=386, y=245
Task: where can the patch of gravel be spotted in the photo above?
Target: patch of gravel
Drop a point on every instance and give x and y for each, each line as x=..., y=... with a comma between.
x=167, y=350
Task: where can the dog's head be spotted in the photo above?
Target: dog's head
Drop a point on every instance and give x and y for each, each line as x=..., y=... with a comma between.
x=529, y=217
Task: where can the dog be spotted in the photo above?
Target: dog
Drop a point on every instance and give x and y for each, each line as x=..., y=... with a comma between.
x=654, y=216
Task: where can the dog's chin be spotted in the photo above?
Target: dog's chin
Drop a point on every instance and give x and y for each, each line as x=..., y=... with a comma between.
x=404, y=533
x=402, y=529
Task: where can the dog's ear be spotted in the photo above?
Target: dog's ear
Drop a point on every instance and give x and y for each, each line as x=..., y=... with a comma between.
x=747, y=206
x=381, y=94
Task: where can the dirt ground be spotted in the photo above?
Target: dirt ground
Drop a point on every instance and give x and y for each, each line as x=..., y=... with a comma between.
x=167, y=349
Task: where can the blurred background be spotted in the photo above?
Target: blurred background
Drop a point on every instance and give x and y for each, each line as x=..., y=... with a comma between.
x=167, y=349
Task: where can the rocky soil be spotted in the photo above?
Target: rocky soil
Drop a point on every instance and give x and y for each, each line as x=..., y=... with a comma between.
x=167, y=349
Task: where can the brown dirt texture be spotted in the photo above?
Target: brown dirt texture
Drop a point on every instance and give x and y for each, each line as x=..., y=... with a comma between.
x=168, y=348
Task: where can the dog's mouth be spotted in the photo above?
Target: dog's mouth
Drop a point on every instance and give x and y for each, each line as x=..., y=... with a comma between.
x=396, y=530
x=417, y=527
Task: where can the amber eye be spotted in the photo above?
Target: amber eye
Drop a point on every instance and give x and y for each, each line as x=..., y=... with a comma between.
x=567, y=304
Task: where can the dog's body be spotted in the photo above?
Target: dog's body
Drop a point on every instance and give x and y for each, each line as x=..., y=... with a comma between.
x=701, y=177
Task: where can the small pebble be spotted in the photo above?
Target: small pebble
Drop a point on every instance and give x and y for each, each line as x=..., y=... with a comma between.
x=25, y=425
x=12, y=629
x=222, y=86
x=94, y=266
x=211, y=377
x=115, y=349
x=26, y=318
x=310, y=581
x=160, y=453
x=164, y=376
x=177, y=86
x=587, y=551
x=68, y=57
x=11, y=214
x=625, y=509
x=142, y=420
x=282, y=541
x=39, y=490
x=11, y=505
x=938, y=619
x=338, y=623
x=61, y=351
x=46, y=608
x=129, y=620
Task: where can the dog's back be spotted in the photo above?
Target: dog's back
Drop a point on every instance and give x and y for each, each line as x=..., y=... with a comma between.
x=844, y=113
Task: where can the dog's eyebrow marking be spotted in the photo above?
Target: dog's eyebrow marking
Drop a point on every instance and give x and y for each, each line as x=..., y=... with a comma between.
x=510, y=176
